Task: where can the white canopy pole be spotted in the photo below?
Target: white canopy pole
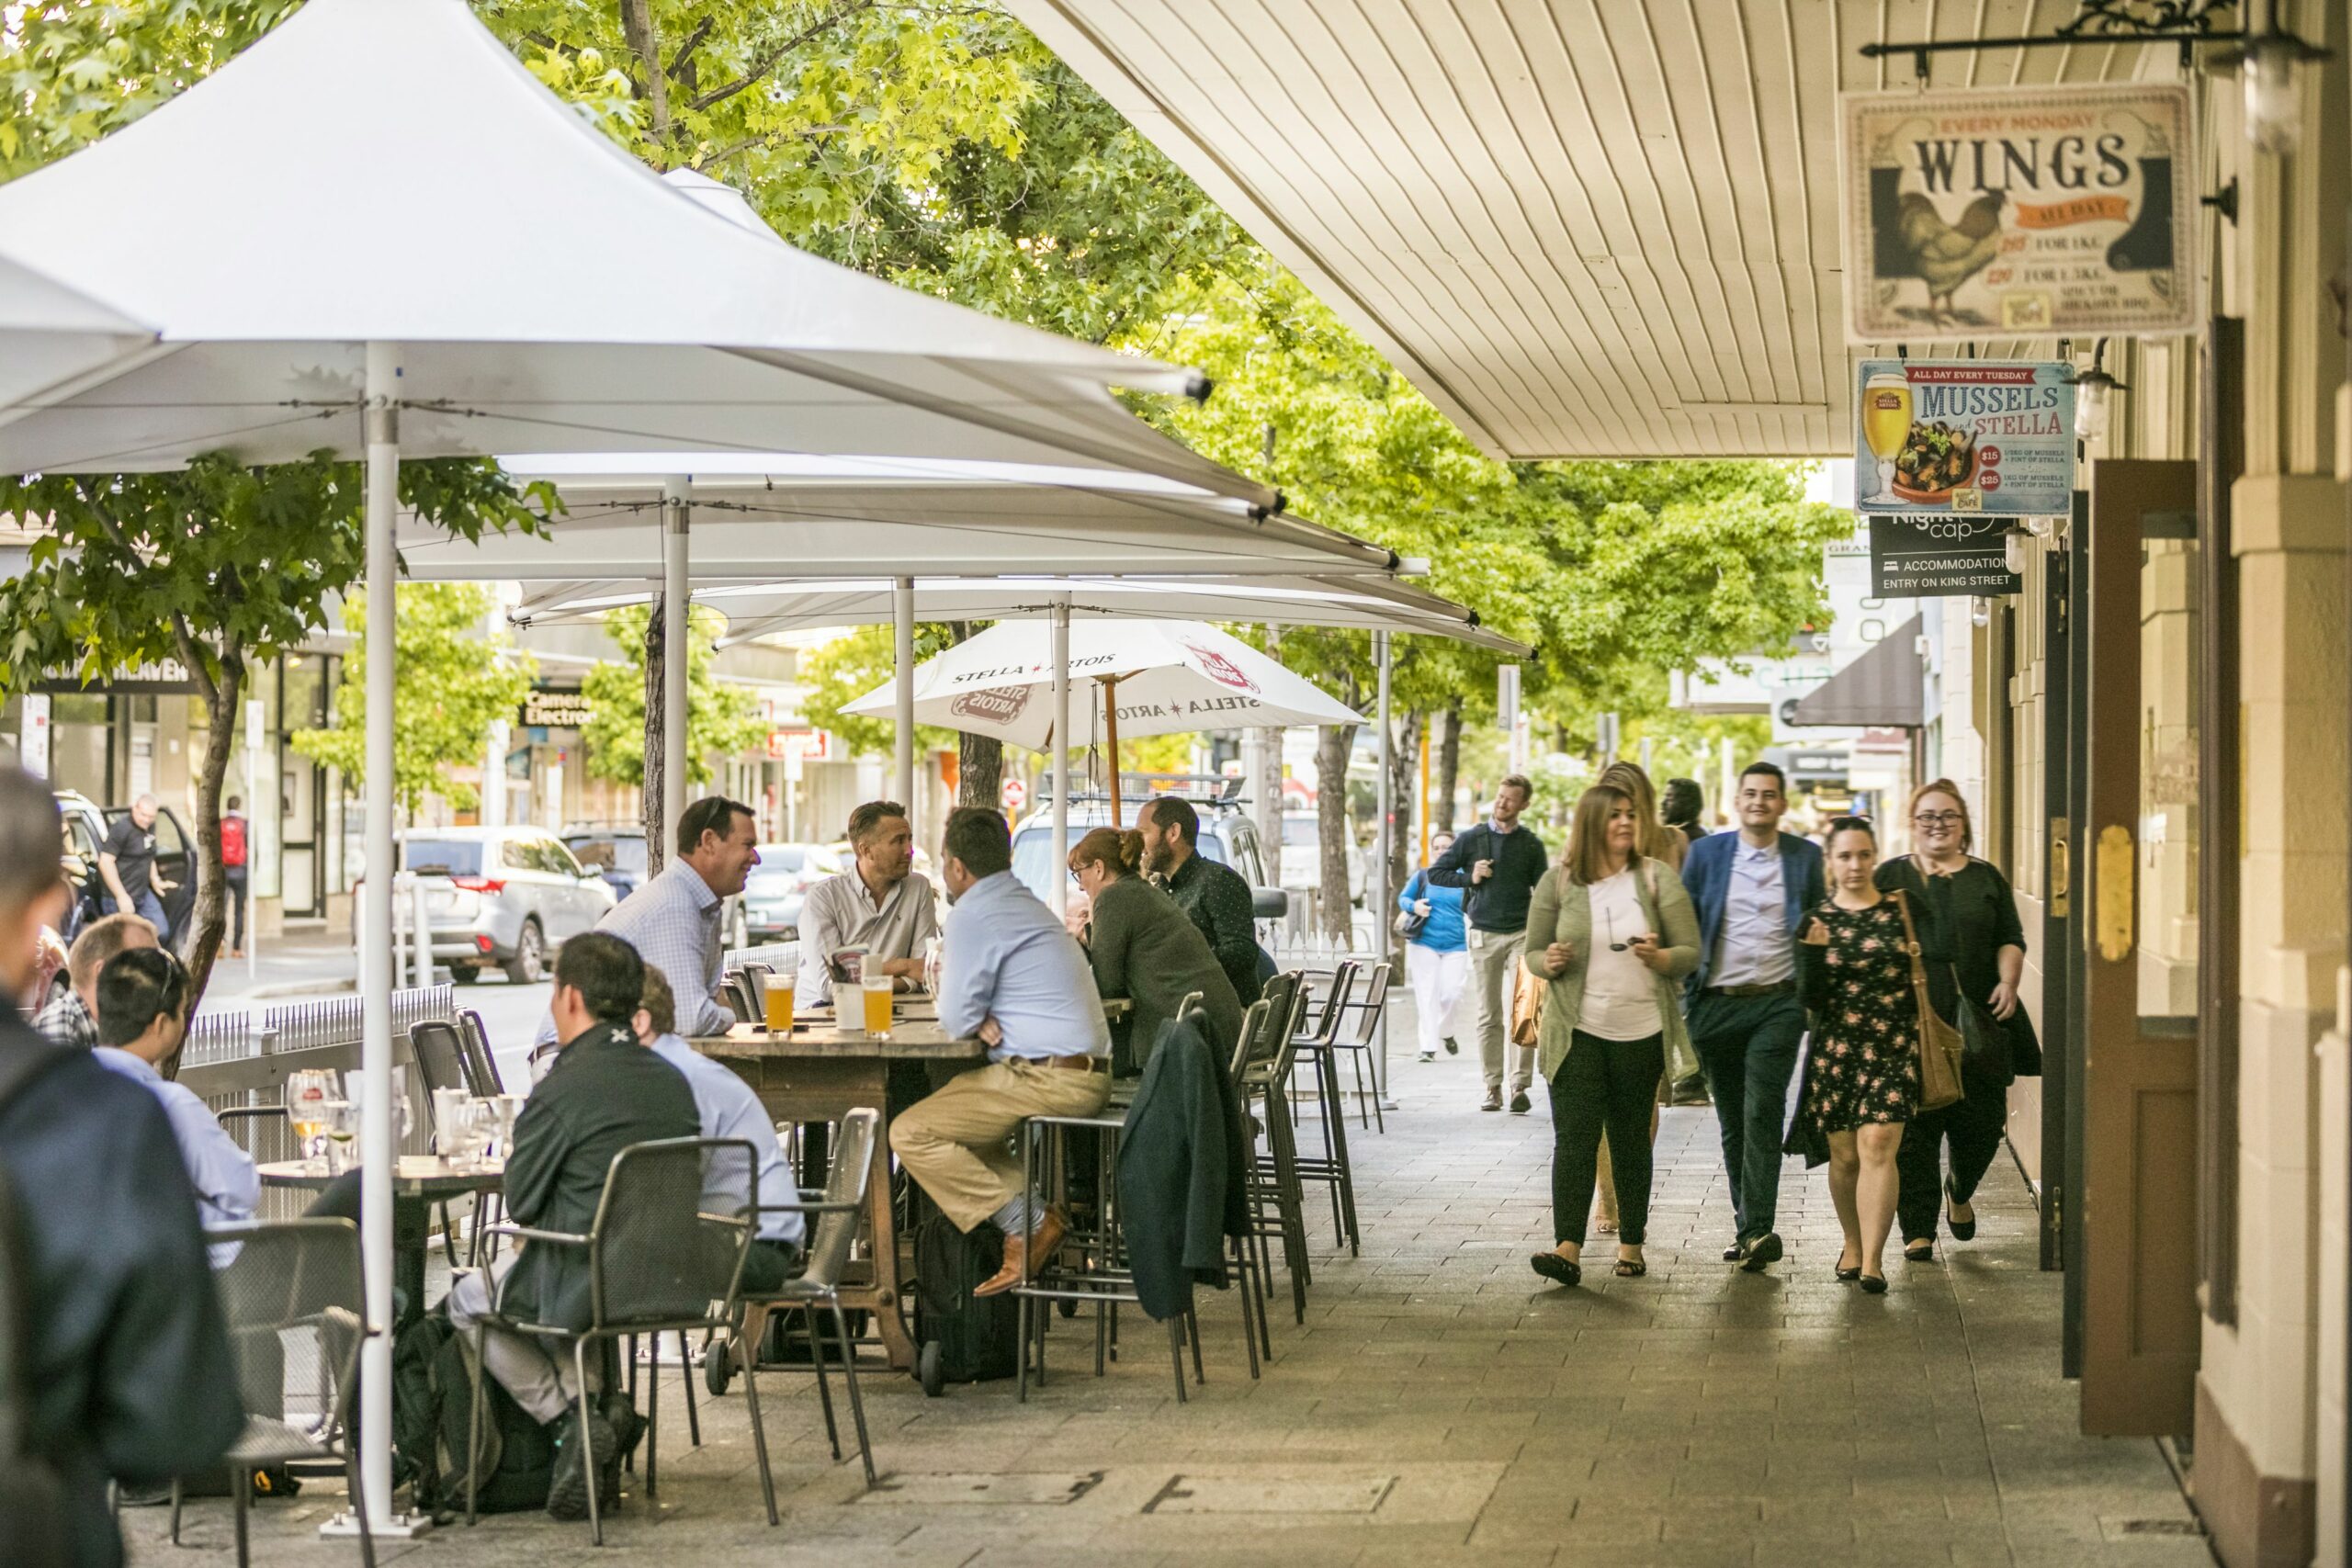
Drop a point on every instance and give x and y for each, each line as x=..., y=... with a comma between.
x=675, y=658
x=376, y=1150
x=902, y=620
x=1061, y=756
x=1378, y=903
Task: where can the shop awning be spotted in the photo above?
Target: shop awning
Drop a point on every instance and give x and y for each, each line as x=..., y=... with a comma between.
x=1884, y=688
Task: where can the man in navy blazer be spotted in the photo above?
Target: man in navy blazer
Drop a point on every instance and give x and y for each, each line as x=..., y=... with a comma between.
x=1752, y=889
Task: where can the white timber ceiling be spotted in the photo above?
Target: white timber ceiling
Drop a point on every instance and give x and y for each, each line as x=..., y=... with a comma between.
x=1584, y=228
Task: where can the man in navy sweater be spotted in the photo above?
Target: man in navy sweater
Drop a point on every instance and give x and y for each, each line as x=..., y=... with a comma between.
x=1497, y=865
x=1752, y=889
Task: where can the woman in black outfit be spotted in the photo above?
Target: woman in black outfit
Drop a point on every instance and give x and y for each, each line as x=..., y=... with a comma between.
x=1974, y=946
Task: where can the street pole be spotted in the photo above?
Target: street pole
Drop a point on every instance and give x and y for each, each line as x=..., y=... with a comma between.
x=675, y=658
x=1380, y=893
x=381, y=417
x=902, y=625
x=1060, y=875
x=252, y=818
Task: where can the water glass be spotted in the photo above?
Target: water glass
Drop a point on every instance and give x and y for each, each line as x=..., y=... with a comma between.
x=449, y=1115
x=308, y=1095
x=343, y=1134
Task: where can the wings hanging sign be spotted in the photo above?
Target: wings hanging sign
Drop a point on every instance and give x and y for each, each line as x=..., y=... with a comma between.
x=2037, y=211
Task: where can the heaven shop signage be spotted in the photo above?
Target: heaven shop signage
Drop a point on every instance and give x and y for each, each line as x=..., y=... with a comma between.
x=1940, y=558
x=1964, y=436
x=2037, y=212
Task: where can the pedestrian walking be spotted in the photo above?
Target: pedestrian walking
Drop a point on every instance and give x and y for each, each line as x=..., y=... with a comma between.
x=1683, y=805
x=1611, y=931
x=1496, y=865
x=1752, y=889
x=1862, y=1077
x=1655, y=841
x=234, y=850
x=1974, y=946
x=1437, y=953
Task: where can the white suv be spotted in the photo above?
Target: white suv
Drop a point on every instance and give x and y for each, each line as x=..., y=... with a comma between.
x=498, y=898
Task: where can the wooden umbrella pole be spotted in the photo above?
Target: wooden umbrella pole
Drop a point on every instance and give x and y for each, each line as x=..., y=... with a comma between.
x=1110, y=738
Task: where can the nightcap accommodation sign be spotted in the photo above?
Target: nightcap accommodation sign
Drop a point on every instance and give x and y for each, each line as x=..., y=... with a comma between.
x=2034, y=212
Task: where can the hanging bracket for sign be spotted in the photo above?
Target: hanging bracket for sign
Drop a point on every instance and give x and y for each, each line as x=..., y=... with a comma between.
x=2185, y=22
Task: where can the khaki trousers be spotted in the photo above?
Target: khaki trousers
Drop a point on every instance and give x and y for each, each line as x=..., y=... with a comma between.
x=956, y=1142
x=1494, y=968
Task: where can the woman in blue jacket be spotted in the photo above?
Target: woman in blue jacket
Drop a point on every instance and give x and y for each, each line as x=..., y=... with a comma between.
x=1437, y=957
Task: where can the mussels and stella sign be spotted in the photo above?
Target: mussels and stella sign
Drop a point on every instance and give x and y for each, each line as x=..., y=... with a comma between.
x=1940, y=558
x=1947, y=435
x=2037, y=212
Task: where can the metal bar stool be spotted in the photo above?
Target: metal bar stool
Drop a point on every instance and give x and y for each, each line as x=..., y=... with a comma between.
x=1358, y=1042
x=1265, y=1083
x=1331, y=1166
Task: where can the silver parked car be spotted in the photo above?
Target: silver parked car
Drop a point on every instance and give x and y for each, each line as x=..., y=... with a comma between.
x=499, y=897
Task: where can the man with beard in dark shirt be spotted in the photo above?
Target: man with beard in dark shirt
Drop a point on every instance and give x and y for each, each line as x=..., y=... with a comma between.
x=127, y=1374
x=1213, y=896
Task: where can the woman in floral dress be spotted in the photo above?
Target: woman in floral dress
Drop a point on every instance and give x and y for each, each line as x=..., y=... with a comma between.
x=1861, y=1076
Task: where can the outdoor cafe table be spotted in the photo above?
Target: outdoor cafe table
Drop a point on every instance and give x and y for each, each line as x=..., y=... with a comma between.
x=820, y=1074
x=419, y=1181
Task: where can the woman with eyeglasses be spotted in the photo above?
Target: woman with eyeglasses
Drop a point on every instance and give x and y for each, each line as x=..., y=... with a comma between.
x=1861, y=1069
x=1613, y=933
x=1973, y=945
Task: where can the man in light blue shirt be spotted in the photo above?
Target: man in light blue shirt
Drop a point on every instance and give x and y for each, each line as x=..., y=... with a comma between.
x=141, y=993
x=1015, y=977
x=673, y=919
x=1751, y=890
x=728, y=1107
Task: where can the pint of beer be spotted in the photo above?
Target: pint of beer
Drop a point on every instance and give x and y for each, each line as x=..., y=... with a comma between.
x=1886, y=424
x=877, y=1005
x=780, y=1003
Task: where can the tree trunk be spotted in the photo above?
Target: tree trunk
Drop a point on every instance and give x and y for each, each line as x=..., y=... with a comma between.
x=652, y=809
x=1335, y=743
x=208, y=920
x=1449, y=768
x=979, y=771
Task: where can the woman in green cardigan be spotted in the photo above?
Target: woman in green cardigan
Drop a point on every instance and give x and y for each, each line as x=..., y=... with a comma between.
x=1613, y=932
x=1142, y=945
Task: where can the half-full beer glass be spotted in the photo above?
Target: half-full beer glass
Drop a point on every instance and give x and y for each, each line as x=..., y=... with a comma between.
x=1887, y=425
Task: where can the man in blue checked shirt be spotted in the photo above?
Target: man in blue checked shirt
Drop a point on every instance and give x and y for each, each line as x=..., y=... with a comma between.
x=673, y=919
x=730, y=1109
x=1015, y=977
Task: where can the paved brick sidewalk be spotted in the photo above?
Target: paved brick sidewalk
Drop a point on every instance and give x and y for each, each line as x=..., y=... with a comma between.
x=1443, y=1405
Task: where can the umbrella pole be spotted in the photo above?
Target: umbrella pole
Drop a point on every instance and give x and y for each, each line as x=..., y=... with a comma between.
x=1379, y=893
x=381, y=417
x=676, y=659
x=902, y=621
x=1060, y=879
x=1111, y=740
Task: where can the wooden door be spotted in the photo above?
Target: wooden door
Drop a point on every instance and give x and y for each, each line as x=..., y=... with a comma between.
x=2138, y=1110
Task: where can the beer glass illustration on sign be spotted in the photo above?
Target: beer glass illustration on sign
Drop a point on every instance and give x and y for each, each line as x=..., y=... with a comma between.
x=1886, y=424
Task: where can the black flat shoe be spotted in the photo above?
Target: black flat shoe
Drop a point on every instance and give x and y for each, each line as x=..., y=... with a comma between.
x=1919, y=1251
x=1962, y=1230
x=1629, y=1268
x=1557, y=1269
x=1873, y=1284
x=1847, y=1276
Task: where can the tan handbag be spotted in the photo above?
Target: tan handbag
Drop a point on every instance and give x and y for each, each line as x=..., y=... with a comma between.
x=1940, y=1043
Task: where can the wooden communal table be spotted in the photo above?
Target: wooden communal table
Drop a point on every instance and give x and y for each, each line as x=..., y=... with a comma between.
x=419, y=1181
x=818, y=1074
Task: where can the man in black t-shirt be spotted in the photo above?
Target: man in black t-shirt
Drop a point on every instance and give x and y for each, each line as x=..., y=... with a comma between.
x=127, y=866
x=1496, y=865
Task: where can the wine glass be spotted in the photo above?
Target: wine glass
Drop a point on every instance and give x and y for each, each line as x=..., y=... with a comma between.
x=308, y=1094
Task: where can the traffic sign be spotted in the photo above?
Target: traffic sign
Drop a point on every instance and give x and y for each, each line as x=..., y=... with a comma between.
x=1016, y=793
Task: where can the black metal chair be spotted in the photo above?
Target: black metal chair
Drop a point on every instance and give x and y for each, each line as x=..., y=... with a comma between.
x=1265, y=1084
x=838, y=1212
x=658, y=1263
x=297, y=1319
x=482, y=1063
x=1360, y=1040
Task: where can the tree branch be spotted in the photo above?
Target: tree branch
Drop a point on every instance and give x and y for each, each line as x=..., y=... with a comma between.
x=191, y=654
x=645, y=41
x=767, y=63
x=693, y=41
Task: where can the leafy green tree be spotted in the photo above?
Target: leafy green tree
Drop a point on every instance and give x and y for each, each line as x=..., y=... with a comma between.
x=722, y=719
x=217, y=566
x=452, y=682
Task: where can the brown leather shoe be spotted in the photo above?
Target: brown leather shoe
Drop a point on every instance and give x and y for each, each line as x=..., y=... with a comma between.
x=1045, y=1240
x=1004, y=1279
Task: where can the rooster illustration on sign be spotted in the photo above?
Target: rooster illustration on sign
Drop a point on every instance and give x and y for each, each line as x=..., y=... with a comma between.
x=1944, y=256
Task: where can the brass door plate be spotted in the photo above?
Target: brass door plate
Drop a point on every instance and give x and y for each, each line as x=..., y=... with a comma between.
x=2061, y=869
x=2112, y=886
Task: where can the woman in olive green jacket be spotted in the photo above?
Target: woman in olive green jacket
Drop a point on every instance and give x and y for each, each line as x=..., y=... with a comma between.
x=1613, y=932
x=1141, y=944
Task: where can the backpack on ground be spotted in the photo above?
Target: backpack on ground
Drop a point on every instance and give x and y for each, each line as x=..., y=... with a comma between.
x=962, y=1338
x=431, y=1388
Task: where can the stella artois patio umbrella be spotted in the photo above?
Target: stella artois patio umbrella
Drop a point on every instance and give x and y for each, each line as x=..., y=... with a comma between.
x=1155, y=677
